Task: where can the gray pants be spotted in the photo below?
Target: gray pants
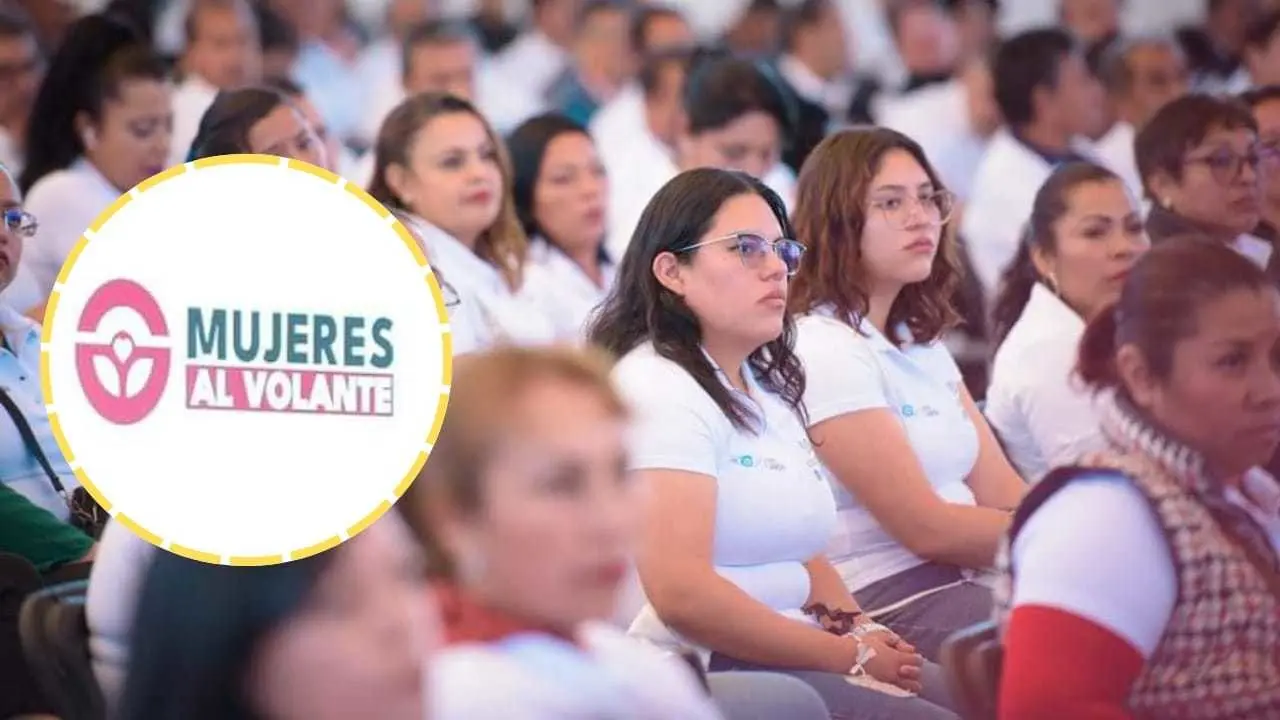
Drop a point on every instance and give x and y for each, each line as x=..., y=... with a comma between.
x=927, y=622
x=765, y=696
x=849, y=702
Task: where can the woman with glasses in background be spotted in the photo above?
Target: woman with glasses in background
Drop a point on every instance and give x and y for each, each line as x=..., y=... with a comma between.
x=922, y=484
x=738, y=515
x=1201, y=167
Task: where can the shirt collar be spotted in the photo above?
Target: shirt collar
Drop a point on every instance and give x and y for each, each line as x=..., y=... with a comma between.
x=459, y=262
x=1049, y=310
x=19, y=330
x=834, y=96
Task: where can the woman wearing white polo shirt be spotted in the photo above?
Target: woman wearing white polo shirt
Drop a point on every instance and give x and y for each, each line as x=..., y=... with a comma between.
x=923, y=487
x=560, y=192
x=438, y=162
x=1085, y=233
x=738, y=513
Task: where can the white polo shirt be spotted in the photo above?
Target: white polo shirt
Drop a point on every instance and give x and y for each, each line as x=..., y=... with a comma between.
x=65, y=202
x=498, y=315
x=560, y=288
x=774, y=509
x=847, y=372
x=1044, y=416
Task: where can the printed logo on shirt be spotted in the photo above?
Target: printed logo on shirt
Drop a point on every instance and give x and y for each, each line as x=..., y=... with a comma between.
x=237, y=380
x=750, y=461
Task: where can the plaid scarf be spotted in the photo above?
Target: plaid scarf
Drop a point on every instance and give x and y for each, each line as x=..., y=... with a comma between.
x=1219, y=656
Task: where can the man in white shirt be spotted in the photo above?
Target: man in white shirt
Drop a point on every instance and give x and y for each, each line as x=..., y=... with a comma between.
x=541, y=53
x=1049, y=100
x=1261, y=54
x=381, y=64
x=815, y=66
x=222, y=52
x=1140, y=75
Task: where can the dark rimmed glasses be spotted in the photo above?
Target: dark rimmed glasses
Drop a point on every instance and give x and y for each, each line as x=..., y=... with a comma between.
x=1225, y=165
x=753, y=250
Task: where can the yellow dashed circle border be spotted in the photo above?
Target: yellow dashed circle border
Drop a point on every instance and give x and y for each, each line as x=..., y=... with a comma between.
x=442, y=403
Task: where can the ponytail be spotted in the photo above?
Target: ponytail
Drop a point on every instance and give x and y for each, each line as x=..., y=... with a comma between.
x=1096, y=362
x=1016, y=284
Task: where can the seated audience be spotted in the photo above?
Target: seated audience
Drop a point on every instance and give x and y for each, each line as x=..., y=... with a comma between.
x=1140, y=76
x=1144, y=578
x=343, y=634
x=921, y=484
x=1264, y=102
x=1050, y=103
x=601, y=61
x=23, y=68
x=528, y=521
x=21, y=469
x=104, y=126
x=738, y=513
x=222, y=52
x=441, y=166
x=1084, y=235
x=1200, y=166
x=560, y=192
x=736, y=116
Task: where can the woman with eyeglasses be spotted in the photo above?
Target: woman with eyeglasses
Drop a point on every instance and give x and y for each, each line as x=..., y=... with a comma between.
x=1200, y=166
x=1083, y=238
x=738, y=514
x=922, y=485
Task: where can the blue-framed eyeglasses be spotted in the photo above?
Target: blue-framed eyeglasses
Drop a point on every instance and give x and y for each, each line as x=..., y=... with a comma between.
x=753, y=249
x=20, y=221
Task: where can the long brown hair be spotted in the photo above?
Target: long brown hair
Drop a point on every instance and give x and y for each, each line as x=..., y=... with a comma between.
x=830, y=214
x=503, y=244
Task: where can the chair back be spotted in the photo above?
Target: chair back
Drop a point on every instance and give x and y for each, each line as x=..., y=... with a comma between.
x=55, y=640
x=972, y=658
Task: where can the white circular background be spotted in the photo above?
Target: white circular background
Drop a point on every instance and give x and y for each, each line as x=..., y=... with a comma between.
x=272, y=238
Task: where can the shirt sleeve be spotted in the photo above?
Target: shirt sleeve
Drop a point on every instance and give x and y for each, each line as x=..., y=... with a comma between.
x=1060, y=416
x=1086, y=549
x=842, y=373
x=675, y=422
x=35, y=534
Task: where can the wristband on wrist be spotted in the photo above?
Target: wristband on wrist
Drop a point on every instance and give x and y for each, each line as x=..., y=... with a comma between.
x=862, y=656
x=867, y=628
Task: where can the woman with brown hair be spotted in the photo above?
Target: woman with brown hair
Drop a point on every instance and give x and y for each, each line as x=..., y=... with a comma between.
x=1151, y=568
x=922, y=486
x=438, y=161
x=528, y=516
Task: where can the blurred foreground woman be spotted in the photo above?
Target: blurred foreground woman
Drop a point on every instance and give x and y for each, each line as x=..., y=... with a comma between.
x=528, y=517
x=343, y=634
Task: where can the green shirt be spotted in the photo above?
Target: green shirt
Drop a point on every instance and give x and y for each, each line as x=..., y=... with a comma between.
x=32, y=532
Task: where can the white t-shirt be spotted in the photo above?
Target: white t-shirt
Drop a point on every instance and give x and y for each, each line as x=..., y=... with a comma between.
x=1087, y=548
x=534, y=677
x=1040, y=410
x=65, y=202
x=847, y=372
x=774, y=509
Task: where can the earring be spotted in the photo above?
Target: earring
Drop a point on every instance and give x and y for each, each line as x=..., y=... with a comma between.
x=1052, y=280
x=1167, y=203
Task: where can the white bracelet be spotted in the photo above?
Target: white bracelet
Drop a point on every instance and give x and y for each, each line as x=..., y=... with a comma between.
x=868, y=628
x=864, y=656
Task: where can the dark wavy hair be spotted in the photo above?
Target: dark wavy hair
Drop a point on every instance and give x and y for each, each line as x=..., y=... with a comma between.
x=640, y=309
x=1020, y=277
x=830, y=214
x=224, y=127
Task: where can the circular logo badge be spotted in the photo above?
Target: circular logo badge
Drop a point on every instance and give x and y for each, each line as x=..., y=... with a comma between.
x=247, y=360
